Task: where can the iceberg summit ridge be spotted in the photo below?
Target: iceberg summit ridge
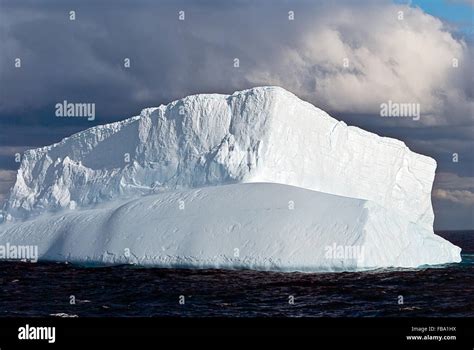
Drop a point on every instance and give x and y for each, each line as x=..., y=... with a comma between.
x=208, y=147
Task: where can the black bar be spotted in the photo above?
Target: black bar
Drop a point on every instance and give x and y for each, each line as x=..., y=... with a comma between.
x=388, y=331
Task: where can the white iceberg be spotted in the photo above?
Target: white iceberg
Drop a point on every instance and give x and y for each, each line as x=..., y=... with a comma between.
x=258, y=179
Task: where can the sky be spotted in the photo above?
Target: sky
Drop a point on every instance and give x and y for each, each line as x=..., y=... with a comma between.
x=346, y=57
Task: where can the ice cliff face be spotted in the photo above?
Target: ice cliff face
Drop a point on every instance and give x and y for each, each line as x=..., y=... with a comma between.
x=264, y=134
x=260, y=226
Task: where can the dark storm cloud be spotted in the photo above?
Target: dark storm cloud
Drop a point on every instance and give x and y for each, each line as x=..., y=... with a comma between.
x=83, y=59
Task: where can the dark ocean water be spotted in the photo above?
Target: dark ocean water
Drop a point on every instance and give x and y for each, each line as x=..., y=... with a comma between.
x=46, y=289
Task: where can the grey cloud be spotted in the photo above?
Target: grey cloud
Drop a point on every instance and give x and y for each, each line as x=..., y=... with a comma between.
x=405, y=61
x=451, y=181
x=12, y=150
x=7, y=179
x=453, y=201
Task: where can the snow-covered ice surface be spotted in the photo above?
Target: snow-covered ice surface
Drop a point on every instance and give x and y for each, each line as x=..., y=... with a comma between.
x=257, y=226
x=115, y=187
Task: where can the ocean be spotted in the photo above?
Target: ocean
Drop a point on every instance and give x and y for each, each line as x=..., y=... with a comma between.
x=65, y=290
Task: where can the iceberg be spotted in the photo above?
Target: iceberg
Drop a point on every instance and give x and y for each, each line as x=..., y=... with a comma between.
x=258, y=179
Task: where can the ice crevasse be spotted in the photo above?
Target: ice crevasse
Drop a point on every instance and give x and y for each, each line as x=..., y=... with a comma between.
x=258, y=179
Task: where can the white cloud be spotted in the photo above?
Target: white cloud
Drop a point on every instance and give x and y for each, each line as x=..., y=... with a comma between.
x=464, y=197
x=454, y=188
x=409, y=60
